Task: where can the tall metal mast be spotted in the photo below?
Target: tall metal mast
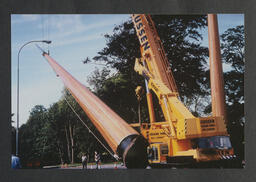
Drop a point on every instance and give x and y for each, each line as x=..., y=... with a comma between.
x=216, y=72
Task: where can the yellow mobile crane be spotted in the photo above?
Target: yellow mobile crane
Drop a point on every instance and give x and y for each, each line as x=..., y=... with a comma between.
x=181, y=137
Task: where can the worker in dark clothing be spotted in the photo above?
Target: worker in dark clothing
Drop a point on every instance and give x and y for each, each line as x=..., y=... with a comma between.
x=84, y=161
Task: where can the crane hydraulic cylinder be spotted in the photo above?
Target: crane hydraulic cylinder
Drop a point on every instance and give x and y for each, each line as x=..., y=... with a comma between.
x=126, y=142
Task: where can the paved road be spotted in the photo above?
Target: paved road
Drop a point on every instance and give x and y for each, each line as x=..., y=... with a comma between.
x=103, y=166
x=92, y=166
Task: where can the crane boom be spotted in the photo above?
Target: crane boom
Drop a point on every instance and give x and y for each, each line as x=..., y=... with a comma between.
x=152, y=49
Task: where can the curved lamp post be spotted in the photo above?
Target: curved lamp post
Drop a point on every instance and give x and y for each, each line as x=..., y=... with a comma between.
x=17, y=130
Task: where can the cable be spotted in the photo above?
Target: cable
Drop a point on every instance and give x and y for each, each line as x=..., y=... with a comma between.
x=48, y=34
x=42, y=21
x=90, y=131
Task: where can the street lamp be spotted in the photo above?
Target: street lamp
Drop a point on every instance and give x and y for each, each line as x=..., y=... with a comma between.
x=18, y=72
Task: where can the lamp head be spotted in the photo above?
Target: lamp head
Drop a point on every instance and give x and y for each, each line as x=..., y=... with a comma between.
x=47, y=41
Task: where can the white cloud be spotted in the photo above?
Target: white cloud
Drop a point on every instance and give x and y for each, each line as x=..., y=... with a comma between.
x=62, y=42
x=23, y=18
x=66, y=25
x=65, y=29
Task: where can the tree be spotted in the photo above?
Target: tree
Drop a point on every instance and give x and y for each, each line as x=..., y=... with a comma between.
x=55, y=129
x=78, y=137
x=233, y=54
x=232, y=46
x=118, y=93
x=98, y=78
x=55, y=135
x=181, y=39
x=30, y=135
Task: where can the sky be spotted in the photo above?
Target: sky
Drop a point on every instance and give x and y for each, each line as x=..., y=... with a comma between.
x=74, y=37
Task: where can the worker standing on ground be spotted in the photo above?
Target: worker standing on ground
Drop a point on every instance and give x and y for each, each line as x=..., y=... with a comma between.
x=84, y=160
x=97, y=159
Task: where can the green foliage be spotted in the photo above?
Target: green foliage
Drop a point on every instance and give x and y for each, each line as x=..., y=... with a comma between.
x=232, y=45
x=55, y=135
x=181, y=39
x=30, y=134
x=98, y=78
x=118, y=93
x=180, y=36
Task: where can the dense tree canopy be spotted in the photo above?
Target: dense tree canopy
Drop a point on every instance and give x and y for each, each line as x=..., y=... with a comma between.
x=232, y=45
x=56, y=135
x=181, y=39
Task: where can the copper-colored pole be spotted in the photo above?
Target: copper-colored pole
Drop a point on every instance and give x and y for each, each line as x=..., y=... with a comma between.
x=216, y=72
x=121, y=137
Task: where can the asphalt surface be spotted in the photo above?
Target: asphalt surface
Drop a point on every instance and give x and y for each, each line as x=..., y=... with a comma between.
x=103, y=166
x=91, y=167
